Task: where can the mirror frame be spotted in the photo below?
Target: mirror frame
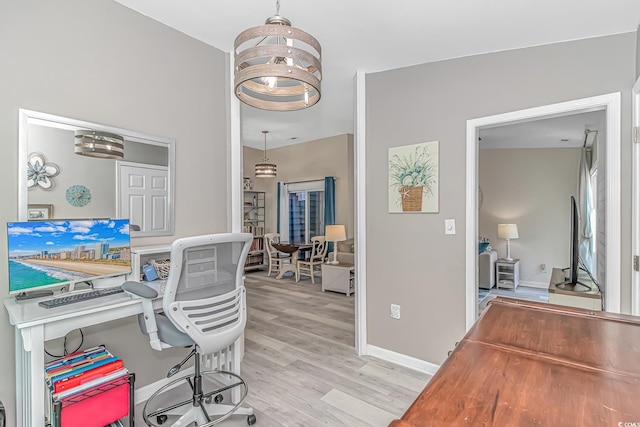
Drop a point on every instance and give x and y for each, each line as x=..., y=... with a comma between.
x=26, y=117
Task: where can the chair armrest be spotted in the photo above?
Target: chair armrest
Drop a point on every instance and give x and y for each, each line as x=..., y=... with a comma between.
x=139, y=290
x=146, y=295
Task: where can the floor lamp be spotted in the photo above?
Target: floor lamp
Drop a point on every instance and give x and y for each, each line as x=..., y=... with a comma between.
x=335, y=234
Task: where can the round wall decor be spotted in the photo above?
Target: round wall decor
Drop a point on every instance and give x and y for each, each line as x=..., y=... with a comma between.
x=78, y=195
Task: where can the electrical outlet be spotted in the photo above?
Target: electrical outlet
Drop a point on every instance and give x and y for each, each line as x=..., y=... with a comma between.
x=543, y=268
x=395, y=311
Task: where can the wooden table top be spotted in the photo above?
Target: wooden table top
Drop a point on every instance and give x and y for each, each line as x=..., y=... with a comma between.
x=536, y=364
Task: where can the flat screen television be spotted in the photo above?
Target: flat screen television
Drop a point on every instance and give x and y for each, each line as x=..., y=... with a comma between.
x=572, y=281
x=54, y=253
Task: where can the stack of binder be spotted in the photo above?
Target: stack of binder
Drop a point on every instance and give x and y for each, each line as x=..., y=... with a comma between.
x=88, y=388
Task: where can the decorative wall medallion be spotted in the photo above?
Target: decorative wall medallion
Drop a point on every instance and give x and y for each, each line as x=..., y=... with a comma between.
x=39, y=172
x=78, y=195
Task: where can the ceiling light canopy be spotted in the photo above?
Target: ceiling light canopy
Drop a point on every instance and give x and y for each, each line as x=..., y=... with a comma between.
x=273, y=74
x=265, y=169
x=103, y=145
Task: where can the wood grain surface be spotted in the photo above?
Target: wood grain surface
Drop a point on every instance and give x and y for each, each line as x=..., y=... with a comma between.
x=536, y=364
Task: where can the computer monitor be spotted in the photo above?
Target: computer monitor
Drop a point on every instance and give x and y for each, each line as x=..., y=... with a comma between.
x=54, y=253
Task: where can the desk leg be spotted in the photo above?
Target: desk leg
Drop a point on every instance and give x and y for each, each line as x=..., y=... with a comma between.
x=30, y=391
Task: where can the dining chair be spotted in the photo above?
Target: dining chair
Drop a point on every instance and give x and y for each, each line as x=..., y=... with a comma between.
x=275, y=258
x=308, y=266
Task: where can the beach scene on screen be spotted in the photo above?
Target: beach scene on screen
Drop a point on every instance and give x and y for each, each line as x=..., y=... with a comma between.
x=43, y=253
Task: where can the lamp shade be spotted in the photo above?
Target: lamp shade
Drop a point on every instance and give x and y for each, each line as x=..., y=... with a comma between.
x=507, y=231
x=335, y=233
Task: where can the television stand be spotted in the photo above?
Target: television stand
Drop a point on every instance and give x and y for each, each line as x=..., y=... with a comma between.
x=563, y=293
x=33, y=294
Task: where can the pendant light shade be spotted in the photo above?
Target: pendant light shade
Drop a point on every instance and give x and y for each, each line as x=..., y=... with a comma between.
x=277, y=67
x=266, y=169
x=103, y=145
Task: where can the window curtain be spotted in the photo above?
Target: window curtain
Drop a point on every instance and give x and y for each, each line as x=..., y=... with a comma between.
x=278, y=207
x=283, y=212
x=584, y=207
x=329, y=204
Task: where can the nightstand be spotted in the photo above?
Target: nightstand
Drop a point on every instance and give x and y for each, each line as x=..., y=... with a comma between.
x=507, y=273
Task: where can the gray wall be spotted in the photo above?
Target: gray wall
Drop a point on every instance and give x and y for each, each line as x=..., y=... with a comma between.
x=98, y=61
x=409, y=259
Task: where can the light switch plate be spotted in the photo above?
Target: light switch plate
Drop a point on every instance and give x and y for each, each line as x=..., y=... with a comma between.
x=449, y=226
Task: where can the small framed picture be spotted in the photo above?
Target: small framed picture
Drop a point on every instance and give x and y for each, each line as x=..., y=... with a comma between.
x=39, y=212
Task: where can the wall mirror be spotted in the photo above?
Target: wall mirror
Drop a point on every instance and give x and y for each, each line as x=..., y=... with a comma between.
x=54, y=182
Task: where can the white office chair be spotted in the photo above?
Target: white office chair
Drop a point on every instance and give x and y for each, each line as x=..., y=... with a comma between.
x=204, y=305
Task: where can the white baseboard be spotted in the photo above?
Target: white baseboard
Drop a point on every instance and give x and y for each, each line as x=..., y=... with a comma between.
x=532, y=284
x=143, y=394
x=402, y=359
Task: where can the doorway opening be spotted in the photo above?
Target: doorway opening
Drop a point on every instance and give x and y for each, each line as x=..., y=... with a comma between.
x=610, y=104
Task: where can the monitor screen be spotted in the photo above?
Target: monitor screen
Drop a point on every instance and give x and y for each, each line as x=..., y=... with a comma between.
x=59, y=252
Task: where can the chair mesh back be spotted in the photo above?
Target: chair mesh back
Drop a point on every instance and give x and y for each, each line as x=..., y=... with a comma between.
x=209, y=270
x=204, y=296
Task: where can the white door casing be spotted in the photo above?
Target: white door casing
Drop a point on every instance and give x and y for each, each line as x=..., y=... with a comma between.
x=144, y=191
x=635, y=202
x=610, y=103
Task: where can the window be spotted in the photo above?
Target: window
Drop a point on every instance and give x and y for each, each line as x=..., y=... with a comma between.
x=303, y=217
x=594, y=217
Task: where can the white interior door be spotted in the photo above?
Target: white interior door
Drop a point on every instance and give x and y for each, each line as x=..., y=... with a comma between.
x=635, y=215
x=144, y=192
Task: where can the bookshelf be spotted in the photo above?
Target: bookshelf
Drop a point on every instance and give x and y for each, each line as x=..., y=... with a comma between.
x=253, y=222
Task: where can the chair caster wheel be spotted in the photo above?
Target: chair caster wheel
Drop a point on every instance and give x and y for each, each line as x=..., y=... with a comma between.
x=218, y=398
x=251, y=419
x=161, y=419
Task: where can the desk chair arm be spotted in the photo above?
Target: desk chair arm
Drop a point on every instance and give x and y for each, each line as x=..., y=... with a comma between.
x=137, y=289
x=146, y=295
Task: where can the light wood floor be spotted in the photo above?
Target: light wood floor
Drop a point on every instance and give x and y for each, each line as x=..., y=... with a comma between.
x=300, y=362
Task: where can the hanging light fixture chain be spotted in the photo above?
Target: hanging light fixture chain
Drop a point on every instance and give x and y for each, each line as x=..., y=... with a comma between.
x=264, y=154
x=277, y=7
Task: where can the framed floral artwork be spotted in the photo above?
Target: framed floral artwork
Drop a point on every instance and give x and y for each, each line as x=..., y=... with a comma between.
x=39, y=212
x=414, y=178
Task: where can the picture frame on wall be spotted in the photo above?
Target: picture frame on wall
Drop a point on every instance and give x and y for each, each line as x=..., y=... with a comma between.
x=39, y=212
x=414, y=178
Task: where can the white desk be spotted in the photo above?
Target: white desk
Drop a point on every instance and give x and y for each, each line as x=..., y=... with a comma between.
x=34, y=325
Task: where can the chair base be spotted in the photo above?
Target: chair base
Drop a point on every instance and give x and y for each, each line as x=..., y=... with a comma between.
x=161, y=410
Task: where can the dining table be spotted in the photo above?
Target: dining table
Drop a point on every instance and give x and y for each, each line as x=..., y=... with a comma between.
x=293, y=249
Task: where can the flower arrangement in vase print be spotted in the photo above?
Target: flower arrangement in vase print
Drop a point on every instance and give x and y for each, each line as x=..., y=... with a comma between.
x=413, y=178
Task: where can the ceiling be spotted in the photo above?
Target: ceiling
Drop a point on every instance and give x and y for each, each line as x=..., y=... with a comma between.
x=375, y=35
x=558, y=132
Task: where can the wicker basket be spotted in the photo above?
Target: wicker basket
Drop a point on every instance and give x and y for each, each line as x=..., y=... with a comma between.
x=162, y=267
x=411, y=199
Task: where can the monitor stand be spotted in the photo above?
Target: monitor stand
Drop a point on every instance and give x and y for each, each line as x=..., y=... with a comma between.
x=33, y=294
